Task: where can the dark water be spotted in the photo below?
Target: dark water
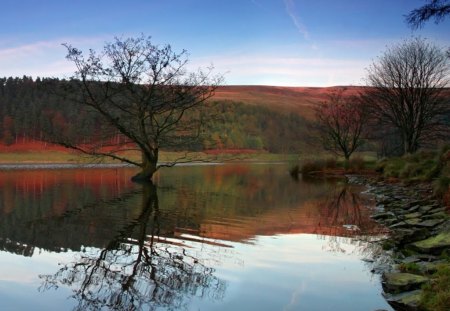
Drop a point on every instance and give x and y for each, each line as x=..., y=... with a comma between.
x=215, y=237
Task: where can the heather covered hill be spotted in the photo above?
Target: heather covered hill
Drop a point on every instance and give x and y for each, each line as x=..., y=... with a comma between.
x=263, y=118
x=247, y=117
x=292, y=99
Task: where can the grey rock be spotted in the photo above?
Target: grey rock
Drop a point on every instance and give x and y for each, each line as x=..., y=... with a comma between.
x=406, y=301
x=413, y=208
x=399, y=282
x=410, y=259
x=425, y=208
x=434, y=244
x=385, y=215
x=430, y=223
x=412, y=215
x=413, y=221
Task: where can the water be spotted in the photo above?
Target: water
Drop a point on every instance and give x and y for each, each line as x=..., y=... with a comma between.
x=216, y=237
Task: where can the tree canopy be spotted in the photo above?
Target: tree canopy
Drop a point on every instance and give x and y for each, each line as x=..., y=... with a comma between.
x=340, y=123
x=407, y=92
x=143, y=91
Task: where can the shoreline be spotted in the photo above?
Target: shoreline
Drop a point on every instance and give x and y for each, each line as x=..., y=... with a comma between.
x=418, y=242
x=65, y=165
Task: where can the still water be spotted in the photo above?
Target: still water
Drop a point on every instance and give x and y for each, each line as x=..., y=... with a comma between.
x=211, y=237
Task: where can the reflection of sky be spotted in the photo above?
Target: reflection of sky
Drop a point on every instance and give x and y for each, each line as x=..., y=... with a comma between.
x=295, y=272
x=284, y=272
x=228, y=203
x=19, y=282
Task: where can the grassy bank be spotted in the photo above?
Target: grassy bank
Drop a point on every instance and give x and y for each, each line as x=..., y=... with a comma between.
x=326, y=165
x=53, y=156
x=424, y=166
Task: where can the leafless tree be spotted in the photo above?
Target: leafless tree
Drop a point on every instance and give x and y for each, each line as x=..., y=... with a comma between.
x=407, y=92
x=145, y=98
x=437, y=9
x=340, y=123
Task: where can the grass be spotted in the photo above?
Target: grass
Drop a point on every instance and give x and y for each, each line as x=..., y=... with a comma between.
x=436, y=294
x=411, y=267
x=423, y=166
x=51, y=156
x=40, y=157
x=357, y=164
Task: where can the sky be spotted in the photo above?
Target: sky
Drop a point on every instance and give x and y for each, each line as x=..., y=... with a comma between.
x=251, y=42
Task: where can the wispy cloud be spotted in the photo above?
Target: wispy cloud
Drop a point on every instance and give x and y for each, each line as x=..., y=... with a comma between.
x=42, y=58
x=292, y=12
x=286, y=71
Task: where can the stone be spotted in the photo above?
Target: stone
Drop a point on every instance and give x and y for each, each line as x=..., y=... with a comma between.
x=442, y=215
x=430, y=223
x=381, y=268
x=390, y=221
x=433, y=244
x=413, y=209
x=410, y=259
x=409, y=235
x=400, y=224
x=406, y=301
x=419, y=202
x=398, y=282
x=437, y=210
x=430, y=267
x=425, y=208
x=426, y=257
x=413, y=221
x=412, y=215
x=378, y=216
x=369, y=260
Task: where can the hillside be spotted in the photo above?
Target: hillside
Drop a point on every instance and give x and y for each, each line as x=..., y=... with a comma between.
x=292, y=99
x=263, y=118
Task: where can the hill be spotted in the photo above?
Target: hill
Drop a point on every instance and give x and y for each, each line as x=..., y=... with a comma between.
x=264, y=118
x=292, y=99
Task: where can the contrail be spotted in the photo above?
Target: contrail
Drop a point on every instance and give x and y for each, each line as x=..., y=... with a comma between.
x=290, y=9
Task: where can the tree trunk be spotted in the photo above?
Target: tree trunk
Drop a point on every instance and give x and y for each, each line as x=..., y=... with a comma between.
x=148, y=168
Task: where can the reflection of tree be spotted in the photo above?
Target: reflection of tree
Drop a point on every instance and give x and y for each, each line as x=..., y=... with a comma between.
x=346, y=212
x=138, y=269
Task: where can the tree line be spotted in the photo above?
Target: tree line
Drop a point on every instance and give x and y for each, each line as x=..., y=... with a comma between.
x=31, y=109
x=404, y=107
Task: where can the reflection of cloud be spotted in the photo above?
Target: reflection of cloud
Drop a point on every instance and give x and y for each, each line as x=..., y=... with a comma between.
x=290, y=9
x=295, y=297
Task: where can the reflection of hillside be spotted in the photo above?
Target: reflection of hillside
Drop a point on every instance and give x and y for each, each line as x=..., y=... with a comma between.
x=60, y=210
x=324, y=216
x=34, y=206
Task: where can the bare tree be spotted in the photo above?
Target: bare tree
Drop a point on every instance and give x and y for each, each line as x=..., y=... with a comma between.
x=437, y=9
x=407, y=92
x=340, y=123
x=145, y=98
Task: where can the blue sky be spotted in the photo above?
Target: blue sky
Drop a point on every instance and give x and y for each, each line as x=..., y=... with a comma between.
x=269, y=42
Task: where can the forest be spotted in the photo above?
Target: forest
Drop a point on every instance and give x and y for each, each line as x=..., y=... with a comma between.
x=36, y=109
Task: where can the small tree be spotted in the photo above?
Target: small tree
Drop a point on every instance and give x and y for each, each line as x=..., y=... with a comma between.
x=340, y=123
x=406, y=92
x=143, y=92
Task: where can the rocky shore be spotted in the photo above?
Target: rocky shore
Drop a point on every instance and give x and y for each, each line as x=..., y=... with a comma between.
x=418, y=243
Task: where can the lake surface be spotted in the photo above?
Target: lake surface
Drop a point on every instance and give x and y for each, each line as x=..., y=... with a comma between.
x=210, y=237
